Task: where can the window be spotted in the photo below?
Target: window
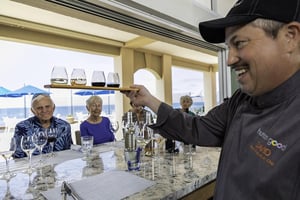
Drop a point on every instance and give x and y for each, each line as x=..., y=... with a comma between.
x=188, y=82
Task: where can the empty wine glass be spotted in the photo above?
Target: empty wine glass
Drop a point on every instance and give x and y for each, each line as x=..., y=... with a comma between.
x=98, y=79
x=114, y=127
x=8, y=194
x=7, y=155
x=113, y=80
x=78, y=77
x=28, y=147
x=51, y=136
x=139, y=135
x=59, y=75
x=40, y=139
x=206, y=161
x=142, y=139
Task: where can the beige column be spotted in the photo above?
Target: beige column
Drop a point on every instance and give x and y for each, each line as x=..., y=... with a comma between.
x=124, y=66
x=164, y=85
x=210, y=92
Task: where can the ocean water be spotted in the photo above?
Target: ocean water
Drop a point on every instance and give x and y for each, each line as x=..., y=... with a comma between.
x=64, y=111
x=61, y=111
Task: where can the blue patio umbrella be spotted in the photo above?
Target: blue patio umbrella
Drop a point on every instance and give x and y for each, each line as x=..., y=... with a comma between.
x=3, y=91
x=26, y=90
x=96, y=92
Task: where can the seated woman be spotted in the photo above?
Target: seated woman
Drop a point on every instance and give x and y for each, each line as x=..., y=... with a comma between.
x=96, y=125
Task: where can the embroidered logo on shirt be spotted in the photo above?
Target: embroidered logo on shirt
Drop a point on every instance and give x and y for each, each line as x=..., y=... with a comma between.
x=266, y=148
x=263, y=153
x=270, y=141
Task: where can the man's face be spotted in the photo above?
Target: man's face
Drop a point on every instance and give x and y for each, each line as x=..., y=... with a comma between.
x=43, y=108
x=260, y=61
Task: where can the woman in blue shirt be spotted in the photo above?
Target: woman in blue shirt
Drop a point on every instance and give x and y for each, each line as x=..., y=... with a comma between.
x=96, y=125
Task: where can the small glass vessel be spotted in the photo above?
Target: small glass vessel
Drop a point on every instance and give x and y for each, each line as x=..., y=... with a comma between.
x=113, y=80
x=78, y=77
x=59, y=76
x=98, y=79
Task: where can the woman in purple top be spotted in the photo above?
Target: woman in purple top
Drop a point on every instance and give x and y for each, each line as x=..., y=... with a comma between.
x=96, y=125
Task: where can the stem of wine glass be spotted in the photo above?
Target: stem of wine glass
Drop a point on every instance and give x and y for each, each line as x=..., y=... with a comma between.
x=41, y=154
x=30, y=163
x=52, y=147
x=7, y=167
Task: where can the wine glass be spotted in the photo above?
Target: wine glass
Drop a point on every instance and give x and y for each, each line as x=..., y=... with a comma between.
x=78, y=77
x=59, y=75
x=113, y=80
x=142, y=139
x=148, y=138
x=206, y=160
x=52, y=135
x=115, y=127
x=139, y=135
x=40, y=139
x=7, y=155
x=28, y=147
x=8, y=194
x=159, y=142
x=98, y=79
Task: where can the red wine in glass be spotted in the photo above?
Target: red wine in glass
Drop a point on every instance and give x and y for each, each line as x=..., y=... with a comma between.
x=98, y=84
x=113, y=85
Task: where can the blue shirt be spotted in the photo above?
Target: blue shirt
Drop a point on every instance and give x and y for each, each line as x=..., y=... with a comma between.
x=102, y=131
x=32, y=124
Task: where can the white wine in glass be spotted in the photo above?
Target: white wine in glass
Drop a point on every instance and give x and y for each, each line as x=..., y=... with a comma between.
x=7, y=155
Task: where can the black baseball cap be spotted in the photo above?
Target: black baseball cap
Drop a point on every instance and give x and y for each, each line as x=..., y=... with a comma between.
x=245, y=11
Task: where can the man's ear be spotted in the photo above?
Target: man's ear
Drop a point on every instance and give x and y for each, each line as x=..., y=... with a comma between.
x=292, y=34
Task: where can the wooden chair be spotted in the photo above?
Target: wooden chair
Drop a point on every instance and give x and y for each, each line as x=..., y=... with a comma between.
x=78, y=137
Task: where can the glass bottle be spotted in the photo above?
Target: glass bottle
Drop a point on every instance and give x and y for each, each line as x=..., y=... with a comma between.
x=130, y=141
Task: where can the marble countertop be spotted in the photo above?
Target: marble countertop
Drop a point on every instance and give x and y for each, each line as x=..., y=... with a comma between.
x=175, y=175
